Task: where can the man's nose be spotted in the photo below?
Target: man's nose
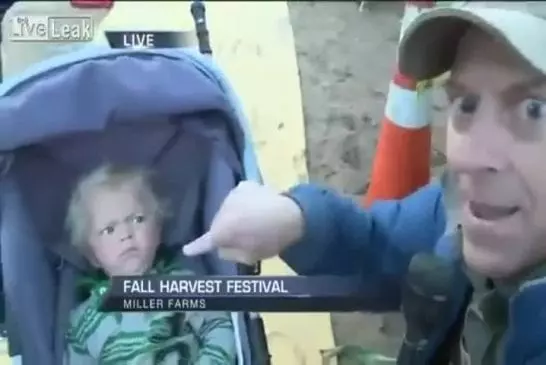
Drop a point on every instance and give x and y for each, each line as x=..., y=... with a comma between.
x=477, y=149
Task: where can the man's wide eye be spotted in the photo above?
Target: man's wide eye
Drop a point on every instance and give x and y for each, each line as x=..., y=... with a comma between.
x=532, y=109
x=466, y=104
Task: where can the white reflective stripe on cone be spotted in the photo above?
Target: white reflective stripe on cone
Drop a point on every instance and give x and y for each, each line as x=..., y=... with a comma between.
x=407, y=108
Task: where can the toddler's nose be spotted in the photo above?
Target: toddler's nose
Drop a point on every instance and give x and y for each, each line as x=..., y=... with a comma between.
x=127, y=233
x=126, y=237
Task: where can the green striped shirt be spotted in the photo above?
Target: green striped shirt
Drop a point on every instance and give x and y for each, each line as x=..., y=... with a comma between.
x=201, y=338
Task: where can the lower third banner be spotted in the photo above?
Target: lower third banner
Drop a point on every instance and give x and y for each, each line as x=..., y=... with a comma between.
x=247, y=294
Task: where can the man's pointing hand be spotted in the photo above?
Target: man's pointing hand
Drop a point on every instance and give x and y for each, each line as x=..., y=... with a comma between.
x=253, y=223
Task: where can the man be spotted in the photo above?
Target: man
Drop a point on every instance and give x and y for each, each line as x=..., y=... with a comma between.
x=496, y=144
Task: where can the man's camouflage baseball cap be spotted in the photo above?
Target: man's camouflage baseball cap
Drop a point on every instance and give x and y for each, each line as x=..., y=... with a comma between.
x=429, y=44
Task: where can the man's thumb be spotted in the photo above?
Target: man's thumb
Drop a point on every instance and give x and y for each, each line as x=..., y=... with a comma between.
x=199, y=246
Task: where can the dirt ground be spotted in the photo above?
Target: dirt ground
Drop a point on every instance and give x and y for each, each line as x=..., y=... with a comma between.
x=346, y=59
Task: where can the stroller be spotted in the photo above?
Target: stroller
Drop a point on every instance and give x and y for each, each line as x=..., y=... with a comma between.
x=168, y=109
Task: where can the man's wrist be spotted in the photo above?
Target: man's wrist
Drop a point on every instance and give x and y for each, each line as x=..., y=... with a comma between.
x=295, y=221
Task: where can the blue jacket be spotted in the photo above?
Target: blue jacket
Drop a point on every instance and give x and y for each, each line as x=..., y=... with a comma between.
x=342, y=238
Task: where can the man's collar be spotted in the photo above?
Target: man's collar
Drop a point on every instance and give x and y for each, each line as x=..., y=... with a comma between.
x=509, y=287
x=506, y=287
x=492, y=298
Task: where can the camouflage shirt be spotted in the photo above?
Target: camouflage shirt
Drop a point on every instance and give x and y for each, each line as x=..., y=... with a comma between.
x=486, y=319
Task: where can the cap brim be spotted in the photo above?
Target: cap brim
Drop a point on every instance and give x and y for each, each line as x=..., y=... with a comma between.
x=429, y=44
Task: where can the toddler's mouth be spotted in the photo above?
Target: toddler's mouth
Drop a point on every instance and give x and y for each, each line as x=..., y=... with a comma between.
x=129, y=252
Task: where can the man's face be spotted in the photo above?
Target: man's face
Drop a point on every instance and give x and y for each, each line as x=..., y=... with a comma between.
x=124, y=236
x=496, y=145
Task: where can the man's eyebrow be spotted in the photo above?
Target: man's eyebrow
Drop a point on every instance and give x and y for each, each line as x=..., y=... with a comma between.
x=525, y=85
x=517, y=87
x=453, y=85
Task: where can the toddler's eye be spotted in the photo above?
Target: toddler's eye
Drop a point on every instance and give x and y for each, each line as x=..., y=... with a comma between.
x=139, y=218
x=532, y=109
x=106, y=231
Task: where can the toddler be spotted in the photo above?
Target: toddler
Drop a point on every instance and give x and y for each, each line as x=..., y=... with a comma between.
x=115, y=219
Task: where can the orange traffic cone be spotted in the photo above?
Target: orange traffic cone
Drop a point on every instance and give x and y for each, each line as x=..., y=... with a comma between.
x=401, y=162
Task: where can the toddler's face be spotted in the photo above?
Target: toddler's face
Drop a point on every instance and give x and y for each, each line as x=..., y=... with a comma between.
x=124, y=236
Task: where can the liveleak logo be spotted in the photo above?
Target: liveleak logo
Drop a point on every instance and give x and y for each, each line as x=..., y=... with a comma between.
x=47, y=28
x=148, y=39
